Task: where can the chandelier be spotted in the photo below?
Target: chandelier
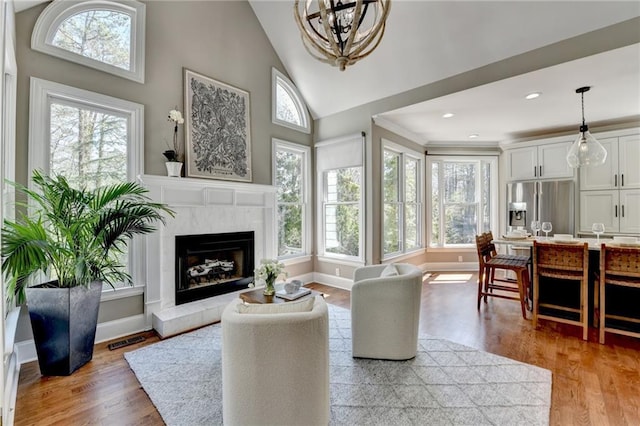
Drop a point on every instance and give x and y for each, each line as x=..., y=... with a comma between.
x=586, y=150
x=341, y=33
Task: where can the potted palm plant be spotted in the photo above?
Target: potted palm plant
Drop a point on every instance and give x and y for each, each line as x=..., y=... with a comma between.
x=58, y=257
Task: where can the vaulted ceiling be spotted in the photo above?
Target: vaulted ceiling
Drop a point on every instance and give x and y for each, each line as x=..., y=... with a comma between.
x=428, y=41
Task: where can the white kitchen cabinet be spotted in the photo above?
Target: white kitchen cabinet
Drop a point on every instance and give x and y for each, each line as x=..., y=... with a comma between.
x=618, y=210
x=629, y=162
x=621, y=169
x=547, y=161
x=630, y=211
x=599, y=206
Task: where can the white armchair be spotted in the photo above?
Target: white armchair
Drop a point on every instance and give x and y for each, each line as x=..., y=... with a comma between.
x=385, y=312
x=275, y=363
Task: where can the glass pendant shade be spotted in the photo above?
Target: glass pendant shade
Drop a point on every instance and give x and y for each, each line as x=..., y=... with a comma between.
x=586, y=151
x=341, y=32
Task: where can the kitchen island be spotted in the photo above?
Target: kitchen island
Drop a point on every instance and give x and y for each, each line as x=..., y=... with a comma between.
x=621, y=299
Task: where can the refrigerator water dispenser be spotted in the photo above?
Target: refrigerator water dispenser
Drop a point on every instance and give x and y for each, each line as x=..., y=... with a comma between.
x=518, y=214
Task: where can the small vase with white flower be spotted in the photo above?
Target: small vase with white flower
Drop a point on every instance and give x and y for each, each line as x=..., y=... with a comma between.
x=174, y=156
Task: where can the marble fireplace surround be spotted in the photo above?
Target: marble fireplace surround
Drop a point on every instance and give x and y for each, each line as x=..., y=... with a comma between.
x=202, y=207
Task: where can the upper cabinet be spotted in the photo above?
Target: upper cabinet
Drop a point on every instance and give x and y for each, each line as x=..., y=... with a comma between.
x=546, y=161
x=621, y=170
x=610, y=193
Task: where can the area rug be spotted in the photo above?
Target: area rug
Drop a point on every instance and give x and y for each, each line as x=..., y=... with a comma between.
x=446, y=383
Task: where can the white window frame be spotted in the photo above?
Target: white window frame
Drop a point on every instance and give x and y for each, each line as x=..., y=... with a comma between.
x=279, y=78
x=337, y=153
x=359, y=204
x=42, y=93
x=59, y=10
x=494, y=197
x=404, y=153
x=305, y=152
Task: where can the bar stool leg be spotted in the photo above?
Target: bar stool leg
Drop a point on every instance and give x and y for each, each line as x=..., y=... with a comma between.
x=602, y=310
x=522, y=285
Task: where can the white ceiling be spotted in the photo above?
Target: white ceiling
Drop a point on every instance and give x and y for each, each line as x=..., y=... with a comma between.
x=427, y=41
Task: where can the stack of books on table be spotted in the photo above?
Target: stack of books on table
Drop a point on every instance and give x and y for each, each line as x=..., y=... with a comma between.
x=292, y=296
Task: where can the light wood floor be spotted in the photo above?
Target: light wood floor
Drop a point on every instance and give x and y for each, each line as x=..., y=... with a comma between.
x=593, y=384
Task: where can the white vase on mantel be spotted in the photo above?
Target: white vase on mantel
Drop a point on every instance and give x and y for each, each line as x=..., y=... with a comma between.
x=174, y=168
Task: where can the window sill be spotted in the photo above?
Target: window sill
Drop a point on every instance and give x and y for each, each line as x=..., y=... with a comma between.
x=403, y=256
x=464, y=249
x=295, y=260
x=341, y=261
x=109, y=293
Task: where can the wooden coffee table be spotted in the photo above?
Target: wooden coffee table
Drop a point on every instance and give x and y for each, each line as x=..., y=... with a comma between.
x=257, y=296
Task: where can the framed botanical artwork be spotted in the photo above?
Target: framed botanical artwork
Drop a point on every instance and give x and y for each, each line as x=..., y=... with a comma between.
x=217, y=129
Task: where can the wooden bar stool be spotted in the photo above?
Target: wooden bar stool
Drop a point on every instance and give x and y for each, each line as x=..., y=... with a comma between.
x=564, y=262
x=620, y=267
x=490, y=261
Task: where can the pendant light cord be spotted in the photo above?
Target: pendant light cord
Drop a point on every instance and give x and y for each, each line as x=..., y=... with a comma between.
x=582, y=96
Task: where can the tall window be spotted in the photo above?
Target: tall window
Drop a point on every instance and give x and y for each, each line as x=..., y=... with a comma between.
x=342, y=211
x=291, y=177
x=88, y=145
x=402, y=199
x=288, y=109
x=464, y=198
x=91, y=139
x=340, y=189
x=104, y=34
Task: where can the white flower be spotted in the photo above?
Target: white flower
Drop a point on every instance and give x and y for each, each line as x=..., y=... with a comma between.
x=269, y=269
x=176, y=116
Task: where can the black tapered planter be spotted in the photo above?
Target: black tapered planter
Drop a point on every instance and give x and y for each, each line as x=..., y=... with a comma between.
x=64, y=323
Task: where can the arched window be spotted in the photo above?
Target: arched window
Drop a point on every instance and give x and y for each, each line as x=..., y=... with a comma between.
x=288, y=109
x=106, y=35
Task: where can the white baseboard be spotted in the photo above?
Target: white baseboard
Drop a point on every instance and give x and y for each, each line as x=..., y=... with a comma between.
x=449, y=266
x=121, y=327
x=26, y=350
x=10, y=390
x=305, y=278
x=333, y=281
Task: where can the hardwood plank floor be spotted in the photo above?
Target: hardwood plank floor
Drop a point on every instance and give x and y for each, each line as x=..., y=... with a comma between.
x=592, y=383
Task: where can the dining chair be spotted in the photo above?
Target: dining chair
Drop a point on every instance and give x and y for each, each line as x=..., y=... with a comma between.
x=559, y=264
x=619, y=267
x=489, y=262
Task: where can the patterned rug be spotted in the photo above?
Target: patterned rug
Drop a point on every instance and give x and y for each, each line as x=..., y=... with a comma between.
x=445, y=384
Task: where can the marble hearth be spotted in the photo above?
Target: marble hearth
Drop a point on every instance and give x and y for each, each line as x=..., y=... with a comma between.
x=202, y=207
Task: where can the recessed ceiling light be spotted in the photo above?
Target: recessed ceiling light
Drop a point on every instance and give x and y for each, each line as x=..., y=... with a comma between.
x=447, y=115
x=533, y=95
x=473, y=136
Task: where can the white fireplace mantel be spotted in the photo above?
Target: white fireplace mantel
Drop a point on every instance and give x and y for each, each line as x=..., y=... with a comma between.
x=201, y=207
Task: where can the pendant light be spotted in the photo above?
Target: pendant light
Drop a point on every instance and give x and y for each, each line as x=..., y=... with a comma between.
x=341, y=32
x=586, y=150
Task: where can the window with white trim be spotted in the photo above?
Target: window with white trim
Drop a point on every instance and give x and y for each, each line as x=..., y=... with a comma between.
x=292, y=178
x=288, y=109
x=108, y=35
x=402, y=200
x=340, y=180
x=90, y=138
x=342, y=218
x=464, y=199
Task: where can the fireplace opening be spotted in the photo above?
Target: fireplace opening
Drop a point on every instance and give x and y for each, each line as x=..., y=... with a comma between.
x=209, y=265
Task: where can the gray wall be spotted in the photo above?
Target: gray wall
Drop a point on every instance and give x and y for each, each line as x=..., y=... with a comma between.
x=220, y=39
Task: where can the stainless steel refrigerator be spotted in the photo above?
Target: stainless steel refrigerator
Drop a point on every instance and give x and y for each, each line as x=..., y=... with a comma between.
x=546, y=201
